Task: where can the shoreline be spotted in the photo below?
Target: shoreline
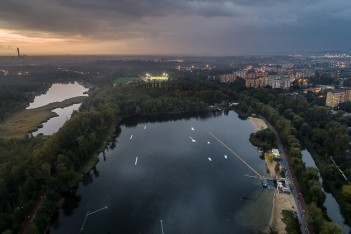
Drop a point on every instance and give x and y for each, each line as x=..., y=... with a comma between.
x=258, y=123
x=281, y=201
x=27, y=121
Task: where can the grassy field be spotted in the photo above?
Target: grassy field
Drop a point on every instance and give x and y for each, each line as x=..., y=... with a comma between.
x=29, y=120
x=123, y=80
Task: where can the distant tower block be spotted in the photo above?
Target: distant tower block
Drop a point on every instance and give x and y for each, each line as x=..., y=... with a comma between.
x=18, y=52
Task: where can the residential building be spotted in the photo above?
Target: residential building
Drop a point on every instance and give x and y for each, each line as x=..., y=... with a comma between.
x=278, y=81
x=334, y=98
x=347, y=95
x=240, y=73
x=227, y=78
x=255, y=82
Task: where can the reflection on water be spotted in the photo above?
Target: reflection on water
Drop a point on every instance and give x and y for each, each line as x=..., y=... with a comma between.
x=173, y=181
x=58, y=93
x=333, y=210
x=53, y=124
x=160, y=118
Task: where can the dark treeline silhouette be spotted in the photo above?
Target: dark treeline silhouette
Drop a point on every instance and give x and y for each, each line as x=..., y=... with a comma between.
x=34, y=166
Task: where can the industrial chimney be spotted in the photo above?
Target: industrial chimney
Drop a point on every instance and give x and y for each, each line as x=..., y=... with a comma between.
x=18, y=52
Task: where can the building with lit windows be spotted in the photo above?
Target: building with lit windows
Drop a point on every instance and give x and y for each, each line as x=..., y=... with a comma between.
x=335, y=97
x=255, y=82
x=278, y=81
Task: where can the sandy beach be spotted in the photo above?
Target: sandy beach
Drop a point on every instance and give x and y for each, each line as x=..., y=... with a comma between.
x=259, y=123
x=281, y=201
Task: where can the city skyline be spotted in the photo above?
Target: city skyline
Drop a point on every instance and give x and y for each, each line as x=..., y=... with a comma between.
x=197, y=27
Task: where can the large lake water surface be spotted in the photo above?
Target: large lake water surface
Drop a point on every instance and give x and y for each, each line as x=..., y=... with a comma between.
x=155, y=179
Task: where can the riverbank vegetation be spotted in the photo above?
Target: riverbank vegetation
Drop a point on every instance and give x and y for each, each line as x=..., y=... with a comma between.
x=296, y=121
x=29, y=120
x=30, y=167
x=264, y=139
x=291, y=221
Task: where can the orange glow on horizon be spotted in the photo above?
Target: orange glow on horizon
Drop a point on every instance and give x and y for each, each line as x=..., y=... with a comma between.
x=41, y=43
x=10, y=36
x=33, y=43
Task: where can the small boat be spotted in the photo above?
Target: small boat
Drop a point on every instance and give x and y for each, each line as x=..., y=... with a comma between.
x=131, y=137
x=136, y=160
x=225, y=156
x=264, y=183
x=210, y=159
x=145, y=127
x=192, y=128
x=208, y=142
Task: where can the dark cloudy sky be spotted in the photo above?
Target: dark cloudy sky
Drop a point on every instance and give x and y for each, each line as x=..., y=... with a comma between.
x=182, y=27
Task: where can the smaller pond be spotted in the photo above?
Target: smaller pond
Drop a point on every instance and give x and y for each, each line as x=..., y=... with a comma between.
x=58, y=93
x=53, y=124
x=333, y=210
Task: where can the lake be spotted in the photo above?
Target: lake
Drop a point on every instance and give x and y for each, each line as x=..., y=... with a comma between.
x=53, y=124
x=155, y=178
x=57, y=93
x=333, y=210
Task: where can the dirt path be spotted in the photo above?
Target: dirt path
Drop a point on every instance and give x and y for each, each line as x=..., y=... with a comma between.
x=31, y=215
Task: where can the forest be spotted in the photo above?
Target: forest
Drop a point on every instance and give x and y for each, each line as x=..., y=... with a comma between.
x=299, y=124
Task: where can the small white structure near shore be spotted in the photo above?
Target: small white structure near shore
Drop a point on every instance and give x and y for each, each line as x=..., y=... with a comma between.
x=276, y=154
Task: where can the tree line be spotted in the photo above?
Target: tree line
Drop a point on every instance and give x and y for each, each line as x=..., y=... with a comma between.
x=298, y=121
x=32, y=166
x=40, y=165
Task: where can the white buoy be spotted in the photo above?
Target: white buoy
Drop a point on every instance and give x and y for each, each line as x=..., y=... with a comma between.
x=210, y=159
x=161, y=227
x=136, y=160
x=208, y=142
x=192, y=139
x=131, y=137
x=225, y=156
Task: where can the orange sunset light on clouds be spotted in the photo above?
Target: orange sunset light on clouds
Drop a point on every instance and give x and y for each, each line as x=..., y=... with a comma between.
x=185, y=27
x=42, y=43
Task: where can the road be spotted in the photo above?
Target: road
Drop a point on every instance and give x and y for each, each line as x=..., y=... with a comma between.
x=30, y=217
x=300, y=204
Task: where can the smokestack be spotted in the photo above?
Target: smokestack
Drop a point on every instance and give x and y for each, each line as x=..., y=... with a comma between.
x=19, y=55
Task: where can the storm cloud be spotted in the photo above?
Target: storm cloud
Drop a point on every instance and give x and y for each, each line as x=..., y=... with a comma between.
x=188, y=26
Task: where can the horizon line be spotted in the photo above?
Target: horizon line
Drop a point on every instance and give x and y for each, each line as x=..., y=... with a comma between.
x=307, y=54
